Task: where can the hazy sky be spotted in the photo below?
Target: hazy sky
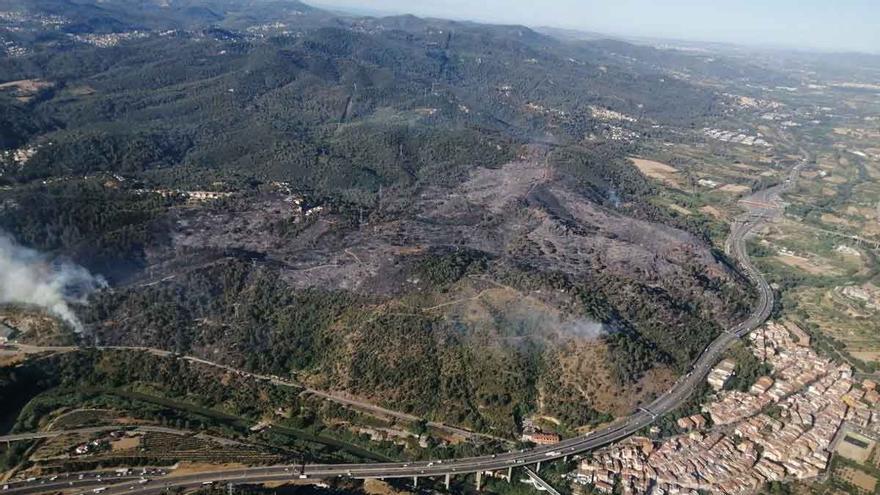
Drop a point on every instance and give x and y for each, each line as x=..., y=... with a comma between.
x=823, y=24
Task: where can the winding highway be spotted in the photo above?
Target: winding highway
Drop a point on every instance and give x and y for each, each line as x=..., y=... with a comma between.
x=761, y=206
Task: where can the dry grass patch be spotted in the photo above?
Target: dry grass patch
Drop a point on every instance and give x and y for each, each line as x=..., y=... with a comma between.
x=656, y=170
x=861, y=211
x=867, y=356
x=125, y=443
x=711, y=211
x=835, y=179
x=11, y=358
x=680, y=209
x=734, y=188
x=807, y=265
x=857, y=478
x=585, y=367
x=836, y=220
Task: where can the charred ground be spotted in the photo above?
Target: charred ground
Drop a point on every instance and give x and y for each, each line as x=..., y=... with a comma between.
x=424, y=213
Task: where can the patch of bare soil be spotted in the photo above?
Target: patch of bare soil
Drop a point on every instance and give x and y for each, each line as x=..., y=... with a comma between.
x=125, y=443
x=25, y=89
x=680, y=209
x=9, y=359
x=657, y=170
x=712, y=211
x=734, y=188
x=810, y=266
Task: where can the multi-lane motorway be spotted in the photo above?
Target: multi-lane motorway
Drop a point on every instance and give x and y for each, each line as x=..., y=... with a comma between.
x=767, y=201
x=74, y=481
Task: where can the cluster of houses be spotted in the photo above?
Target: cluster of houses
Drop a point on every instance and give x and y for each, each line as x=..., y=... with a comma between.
x=783, y=428
x=608, y=114
x=190, y=195
x=109, y=40
x=736, y=137
x=21, y=156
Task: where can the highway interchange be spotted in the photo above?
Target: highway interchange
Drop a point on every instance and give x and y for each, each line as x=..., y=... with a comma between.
x=761, y=206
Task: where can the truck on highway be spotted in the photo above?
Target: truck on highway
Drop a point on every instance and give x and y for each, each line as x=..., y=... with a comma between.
x=99, y=489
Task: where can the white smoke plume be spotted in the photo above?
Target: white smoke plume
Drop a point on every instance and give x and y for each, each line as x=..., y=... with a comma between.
x=546, y=322
x=584, y=328
x=31, y=278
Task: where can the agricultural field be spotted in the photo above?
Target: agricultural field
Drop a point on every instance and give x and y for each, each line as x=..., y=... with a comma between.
x=844, y=477
x=827, y=246
x=703, y=182
x=822, y=254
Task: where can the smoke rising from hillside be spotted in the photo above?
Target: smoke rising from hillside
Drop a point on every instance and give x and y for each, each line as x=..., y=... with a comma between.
x=29, y=277
x=584, y=328
x=538, y=322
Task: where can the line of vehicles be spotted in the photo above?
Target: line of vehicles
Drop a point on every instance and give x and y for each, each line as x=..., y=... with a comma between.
x=65, y=480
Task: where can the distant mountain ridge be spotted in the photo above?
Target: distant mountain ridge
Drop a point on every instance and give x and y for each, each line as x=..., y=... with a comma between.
x=115, y=15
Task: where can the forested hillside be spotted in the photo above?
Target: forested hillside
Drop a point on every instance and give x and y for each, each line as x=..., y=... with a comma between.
x=384, y=197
